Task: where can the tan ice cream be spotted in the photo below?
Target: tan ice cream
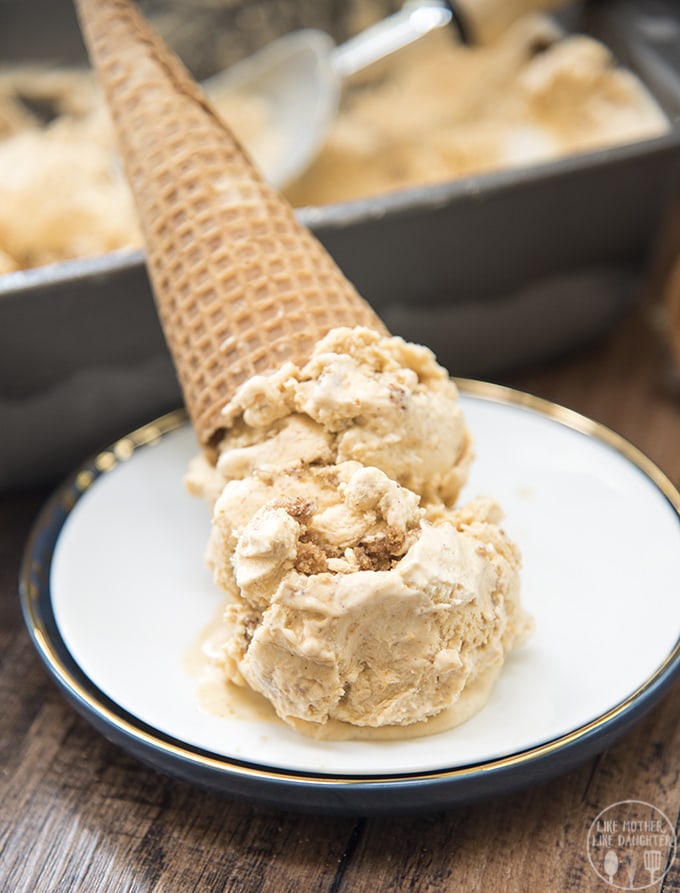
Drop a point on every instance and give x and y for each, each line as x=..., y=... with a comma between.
x=437, y=111
x=442, y=110
x=358, y=595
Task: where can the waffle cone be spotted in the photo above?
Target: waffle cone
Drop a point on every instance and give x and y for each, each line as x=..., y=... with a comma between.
x=240, y=285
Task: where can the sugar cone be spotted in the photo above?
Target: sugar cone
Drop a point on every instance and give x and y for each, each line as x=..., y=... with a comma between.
x=240, y=285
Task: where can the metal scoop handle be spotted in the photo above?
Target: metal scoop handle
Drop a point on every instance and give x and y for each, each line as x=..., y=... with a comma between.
x=415, y=19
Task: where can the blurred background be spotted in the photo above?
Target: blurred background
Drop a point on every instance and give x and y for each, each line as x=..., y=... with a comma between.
x=207, y=34
x=504, y=204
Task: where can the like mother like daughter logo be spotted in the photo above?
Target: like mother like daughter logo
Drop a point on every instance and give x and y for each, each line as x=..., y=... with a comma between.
x=631, y=845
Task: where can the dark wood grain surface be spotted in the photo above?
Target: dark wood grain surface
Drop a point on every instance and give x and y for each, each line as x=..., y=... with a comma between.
x=78, y=814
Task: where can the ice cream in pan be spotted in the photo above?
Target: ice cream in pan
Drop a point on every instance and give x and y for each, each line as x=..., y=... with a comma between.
x=361, y=600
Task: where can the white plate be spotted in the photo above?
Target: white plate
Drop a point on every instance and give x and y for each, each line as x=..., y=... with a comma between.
x=127, y=595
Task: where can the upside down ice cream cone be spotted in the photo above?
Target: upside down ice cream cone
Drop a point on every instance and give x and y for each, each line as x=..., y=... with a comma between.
x=241, y=286
x=358, y=596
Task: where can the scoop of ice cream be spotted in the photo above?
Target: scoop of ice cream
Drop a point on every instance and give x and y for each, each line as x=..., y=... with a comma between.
x=379, y=401
x=390, y=639
x=339, y=520
x=359, y=596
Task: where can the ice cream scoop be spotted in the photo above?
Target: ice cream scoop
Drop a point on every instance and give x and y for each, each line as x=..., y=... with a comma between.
x=299, y=77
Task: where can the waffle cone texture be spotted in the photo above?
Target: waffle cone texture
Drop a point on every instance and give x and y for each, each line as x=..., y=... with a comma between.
x=240, y=285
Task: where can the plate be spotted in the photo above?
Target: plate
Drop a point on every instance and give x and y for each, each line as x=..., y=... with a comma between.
x=115, y=595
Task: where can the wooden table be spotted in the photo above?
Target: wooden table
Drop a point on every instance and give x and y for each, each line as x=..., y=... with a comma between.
x=77, y=814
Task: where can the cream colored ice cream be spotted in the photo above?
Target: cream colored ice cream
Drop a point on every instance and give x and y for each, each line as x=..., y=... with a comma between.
x=437, y=111
x=441, y=110
x=360, y=599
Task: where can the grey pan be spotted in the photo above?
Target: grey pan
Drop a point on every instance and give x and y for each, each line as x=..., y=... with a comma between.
x=492, y=272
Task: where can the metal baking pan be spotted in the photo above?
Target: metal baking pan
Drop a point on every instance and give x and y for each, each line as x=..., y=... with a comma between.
x=492, y=272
